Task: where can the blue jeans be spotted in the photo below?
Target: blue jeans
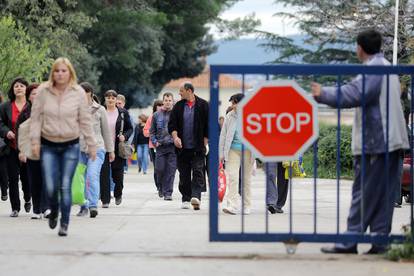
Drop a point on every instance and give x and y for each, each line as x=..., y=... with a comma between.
x=142, y=153
x=92, y=177
x=58, y=165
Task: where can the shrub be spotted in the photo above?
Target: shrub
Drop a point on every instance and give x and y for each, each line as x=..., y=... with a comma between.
x=327, y=153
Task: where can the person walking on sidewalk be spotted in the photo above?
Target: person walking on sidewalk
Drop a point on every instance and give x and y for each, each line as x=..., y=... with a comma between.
x=188, y=126
x=104, y=144
x=9, y=113
x=155, y=107
x=34, y=168
x=373, y=200
x=3, y=165
x=121, y=129
x=276, y=192
x=60, y=115
x=140, y=143
x=231, y=151
x=166, y=158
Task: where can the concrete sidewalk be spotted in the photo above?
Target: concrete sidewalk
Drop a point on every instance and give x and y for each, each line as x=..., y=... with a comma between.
x=149, y=236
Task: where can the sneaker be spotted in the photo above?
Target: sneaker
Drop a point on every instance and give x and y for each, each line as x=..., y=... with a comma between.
x=196, y=203
x=168, y=197
x=53, y=220
x=118, y=200
x=4, y=197
x=230, y=210
x=185, y=205
x=279, y=210
x=82, y=212
x=46, y=213
x=14, y=214
x=271, y=209
x=93, y=212
x=36, y=216
x=27, y=206
x=247, y=211
x=105, y=205
x=63, y=230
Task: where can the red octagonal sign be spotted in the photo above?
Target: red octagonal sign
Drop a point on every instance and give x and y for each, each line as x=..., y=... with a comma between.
x=278, y=121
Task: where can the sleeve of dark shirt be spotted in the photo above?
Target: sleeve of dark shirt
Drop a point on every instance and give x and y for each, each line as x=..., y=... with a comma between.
x=206, y=120
x=128, y=129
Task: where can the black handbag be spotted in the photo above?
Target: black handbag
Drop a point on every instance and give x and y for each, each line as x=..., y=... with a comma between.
x=125, y=150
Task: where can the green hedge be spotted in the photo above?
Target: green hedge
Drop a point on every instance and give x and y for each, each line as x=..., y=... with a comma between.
x=327, y=153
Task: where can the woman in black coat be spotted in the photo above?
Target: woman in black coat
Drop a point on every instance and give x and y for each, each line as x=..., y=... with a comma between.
x=115, y=117
x=9, y=113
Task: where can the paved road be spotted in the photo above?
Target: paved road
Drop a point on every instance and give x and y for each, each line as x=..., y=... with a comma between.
x=149, y=236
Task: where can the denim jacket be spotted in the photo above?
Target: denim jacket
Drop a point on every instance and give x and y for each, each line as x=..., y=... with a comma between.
x=159, y=128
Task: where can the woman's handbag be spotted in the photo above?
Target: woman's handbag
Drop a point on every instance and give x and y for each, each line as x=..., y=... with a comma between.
x=78, y=185
x=23, y=143
x=222, y=183
x=125, y=150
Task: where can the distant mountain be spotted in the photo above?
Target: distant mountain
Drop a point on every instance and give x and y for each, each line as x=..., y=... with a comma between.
x=243, y=51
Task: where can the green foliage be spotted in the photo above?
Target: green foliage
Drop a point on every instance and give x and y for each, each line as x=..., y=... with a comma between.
x=327, y=153
x=404, y=251
x=330, y=29
x=20, y=54
x=60, y=23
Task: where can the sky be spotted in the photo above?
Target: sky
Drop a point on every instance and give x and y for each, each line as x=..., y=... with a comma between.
x=264, y=10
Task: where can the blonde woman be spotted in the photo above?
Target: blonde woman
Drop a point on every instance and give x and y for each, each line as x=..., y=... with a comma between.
x=60, y=115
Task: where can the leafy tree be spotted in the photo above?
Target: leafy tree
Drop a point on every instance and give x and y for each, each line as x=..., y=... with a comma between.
x=60, y=22
x=20, y=54
x=330, y=28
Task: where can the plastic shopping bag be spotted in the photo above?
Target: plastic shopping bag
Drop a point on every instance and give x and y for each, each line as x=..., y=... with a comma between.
x=222, y=183
x=297, y=168
x=78, y=185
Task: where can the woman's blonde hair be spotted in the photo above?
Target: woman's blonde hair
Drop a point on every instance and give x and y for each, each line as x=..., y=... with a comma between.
x=62, y=60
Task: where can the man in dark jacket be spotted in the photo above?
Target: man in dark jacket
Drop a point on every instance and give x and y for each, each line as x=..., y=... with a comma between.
x=190, y=139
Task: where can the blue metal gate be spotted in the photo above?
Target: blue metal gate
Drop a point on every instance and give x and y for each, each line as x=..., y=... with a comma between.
x=339, y=72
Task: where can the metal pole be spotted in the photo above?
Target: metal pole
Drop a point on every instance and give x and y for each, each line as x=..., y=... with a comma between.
x=395, y=49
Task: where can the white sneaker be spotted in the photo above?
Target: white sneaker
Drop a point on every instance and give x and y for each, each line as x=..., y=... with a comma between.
x=230, y=210
x=36, y=216
x=185, y=205
x=247, y=211
x=196, y=203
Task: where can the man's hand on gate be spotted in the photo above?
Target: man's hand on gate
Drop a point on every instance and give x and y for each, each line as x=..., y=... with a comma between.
x=316, y=89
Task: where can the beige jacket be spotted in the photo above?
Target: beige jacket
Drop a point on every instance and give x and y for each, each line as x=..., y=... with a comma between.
x=62, y=117
x=100, y=128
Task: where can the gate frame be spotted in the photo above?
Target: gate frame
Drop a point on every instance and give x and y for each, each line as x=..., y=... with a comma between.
x=291, y=70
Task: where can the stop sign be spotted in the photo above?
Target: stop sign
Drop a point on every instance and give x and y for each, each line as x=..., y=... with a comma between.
x=278, y=120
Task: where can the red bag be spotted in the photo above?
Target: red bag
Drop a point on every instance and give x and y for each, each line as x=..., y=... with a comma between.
x=221, y=183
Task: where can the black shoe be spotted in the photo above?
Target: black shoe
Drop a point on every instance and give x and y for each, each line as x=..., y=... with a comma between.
x=160, y=194
x=376, y=250
x=14, y=214
x=82, y=212
x=271, y=209
x=4, y=197
x=397, y=205
x=118, y=200
x=63, y=230
x=27, y=206
x=279, y=210
x=53, y=220
x=168, y=197
x=139, y=169
x=93, y=212
x=337, y=250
